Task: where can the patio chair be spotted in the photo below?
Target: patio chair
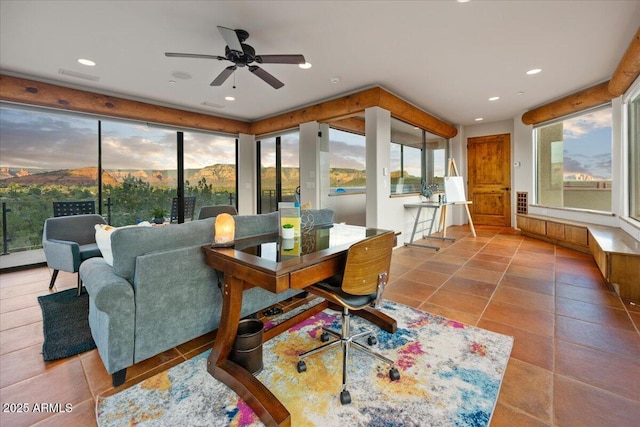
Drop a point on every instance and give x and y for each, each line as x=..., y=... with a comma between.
x=189, y=209
x=69, y=240
x=74, y=207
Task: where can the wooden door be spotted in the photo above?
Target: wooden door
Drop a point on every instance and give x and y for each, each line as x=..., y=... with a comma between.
x=489, y=169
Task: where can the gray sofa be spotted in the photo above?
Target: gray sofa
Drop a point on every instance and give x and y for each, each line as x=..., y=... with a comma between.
x=159, y=293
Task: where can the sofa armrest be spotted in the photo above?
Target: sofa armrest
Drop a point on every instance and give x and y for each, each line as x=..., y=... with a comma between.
x=111, y=313
x=62, y=254
x=107, y=289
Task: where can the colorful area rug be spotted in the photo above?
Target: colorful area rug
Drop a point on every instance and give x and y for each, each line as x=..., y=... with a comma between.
x=450, y=376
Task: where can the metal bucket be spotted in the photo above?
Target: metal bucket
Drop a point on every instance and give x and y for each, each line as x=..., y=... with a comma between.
x=247, y=347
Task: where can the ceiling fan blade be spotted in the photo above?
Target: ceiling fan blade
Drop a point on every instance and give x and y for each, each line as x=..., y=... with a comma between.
x=280, y=59
x=223, y=76
x=231, y=38
x=275, y=83
x=192, y=55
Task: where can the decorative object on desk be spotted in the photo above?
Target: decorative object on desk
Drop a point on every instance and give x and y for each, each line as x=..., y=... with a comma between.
x=428, y=191
x=288, y=232
x=289, y=215
x=65, y=322
x=451, y=375
x=158, y=215
x=225, y=230
x=288, y=243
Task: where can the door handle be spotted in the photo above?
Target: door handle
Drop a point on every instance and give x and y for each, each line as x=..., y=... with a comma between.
x=505, y=188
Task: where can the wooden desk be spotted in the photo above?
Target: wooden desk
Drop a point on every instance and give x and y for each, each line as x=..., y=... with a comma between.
x=248, y=264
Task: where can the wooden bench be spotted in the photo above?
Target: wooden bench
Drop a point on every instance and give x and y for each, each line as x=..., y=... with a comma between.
x=618, y=257
x=616, y=253
x=571, y=234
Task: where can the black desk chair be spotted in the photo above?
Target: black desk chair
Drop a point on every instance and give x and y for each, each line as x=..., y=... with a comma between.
x=74, y=207
x=189, y=209
x=361, y=285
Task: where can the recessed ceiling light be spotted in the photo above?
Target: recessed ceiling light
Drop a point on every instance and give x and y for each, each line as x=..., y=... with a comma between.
x=464, y=1
x=519, y=92
x=229, y=98
x=212, y=104
x=305, y=66
x=479, y=119
x=87, y=62
x=181, y=75
x=534, y=71
x=335, y=80
x=172, y=82
x=494, y=98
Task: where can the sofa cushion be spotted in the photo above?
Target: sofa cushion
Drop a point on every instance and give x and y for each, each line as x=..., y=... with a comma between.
x=103, y=239
x=127, y=243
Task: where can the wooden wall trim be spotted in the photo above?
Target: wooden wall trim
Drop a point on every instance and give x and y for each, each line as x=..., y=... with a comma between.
x=13, y=89
x=579, y=101
x=628, y=68
x=24, y=91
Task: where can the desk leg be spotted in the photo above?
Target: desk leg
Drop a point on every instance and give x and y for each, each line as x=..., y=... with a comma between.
x=252, y=391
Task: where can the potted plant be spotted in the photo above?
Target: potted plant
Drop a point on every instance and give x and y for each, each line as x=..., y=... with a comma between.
x=287, y=231
x=158, y=215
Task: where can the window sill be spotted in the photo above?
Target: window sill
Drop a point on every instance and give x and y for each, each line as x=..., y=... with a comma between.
x=586, y=211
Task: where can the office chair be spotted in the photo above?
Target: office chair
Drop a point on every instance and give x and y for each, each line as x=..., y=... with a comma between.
x=360, y=285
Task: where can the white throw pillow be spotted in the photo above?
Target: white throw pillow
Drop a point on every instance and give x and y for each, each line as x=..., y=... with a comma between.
x=103, y=239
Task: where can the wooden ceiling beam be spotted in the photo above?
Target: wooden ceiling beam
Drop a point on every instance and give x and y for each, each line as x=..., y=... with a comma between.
x=579, y=101
x=350, y=124
x=628, y=68
x=402, y=110
x=323, y=112
x=23, y=91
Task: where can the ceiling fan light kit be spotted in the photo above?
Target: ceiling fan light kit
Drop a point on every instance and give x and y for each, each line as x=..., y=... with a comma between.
x=243, y=55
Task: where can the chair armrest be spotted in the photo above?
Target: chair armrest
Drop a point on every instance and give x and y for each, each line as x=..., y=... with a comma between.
x=62, y=254
x=109, y=292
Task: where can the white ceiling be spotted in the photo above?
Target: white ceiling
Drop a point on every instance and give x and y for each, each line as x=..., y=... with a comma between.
x=445, y=57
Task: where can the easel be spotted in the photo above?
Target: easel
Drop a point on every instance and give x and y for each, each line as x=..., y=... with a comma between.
x=453, y=171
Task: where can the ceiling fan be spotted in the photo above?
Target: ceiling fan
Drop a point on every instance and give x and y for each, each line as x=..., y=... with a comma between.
x=243, y=55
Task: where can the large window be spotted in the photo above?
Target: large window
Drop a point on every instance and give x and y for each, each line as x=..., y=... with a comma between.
x=279, y=170
x=634, y=156
x=406, y=169
x=48, y=156
x=44, y=157
x=347, y=170
x=574, y=162
x=210, y=169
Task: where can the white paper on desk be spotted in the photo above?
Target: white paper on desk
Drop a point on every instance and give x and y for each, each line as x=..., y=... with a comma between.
x=454, y=189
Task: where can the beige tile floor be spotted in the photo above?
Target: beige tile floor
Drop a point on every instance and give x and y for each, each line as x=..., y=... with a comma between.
x=575, y=360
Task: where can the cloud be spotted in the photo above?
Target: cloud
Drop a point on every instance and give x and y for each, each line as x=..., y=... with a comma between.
x=578, y=126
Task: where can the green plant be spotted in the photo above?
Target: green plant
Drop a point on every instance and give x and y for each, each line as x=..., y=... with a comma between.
x=287, y=226
x=158, y=212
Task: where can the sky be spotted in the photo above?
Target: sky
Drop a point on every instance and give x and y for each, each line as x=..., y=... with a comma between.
x=587, y=144
x=49, y=141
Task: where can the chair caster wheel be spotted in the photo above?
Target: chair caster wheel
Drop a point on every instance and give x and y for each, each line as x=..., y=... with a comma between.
x=324, y=337
x=394, y=374
x=302, y=367
x=345, y=397
x=372, y=340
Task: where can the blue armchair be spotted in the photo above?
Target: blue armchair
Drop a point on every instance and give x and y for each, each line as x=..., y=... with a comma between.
x=69, y=240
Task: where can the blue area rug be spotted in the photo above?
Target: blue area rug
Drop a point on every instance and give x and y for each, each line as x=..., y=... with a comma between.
x=450, y=376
